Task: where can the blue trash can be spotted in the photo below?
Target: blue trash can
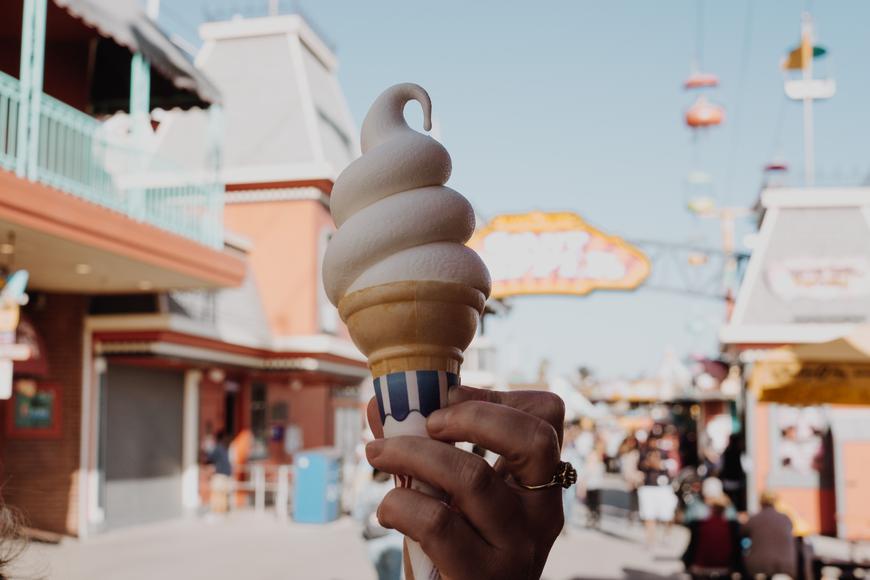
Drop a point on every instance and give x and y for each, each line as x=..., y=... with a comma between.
x=316, y=487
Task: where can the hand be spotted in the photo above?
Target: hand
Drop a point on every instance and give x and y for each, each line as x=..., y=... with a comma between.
x=492, y=528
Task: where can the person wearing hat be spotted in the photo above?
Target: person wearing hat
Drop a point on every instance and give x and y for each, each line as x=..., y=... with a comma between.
x=772, y=550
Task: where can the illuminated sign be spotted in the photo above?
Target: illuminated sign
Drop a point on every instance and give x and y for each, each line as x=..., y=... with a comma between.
x=556, y=253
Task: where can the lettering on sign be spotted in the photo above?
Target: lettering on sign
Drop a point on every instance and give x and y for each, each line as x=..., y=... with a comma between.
x=556, y=253
x=820, y=278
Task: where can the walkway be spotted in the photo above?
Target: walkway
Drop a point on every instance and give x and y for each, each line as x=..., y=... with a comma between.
x=262, y=548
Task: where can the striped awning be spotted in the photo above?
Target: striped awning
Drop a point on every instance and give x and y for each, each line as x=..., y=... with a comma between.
x=125, y=22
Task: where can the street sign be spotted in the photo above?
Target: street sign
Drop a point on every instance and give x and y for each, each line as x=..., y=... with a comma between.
x=814, y=89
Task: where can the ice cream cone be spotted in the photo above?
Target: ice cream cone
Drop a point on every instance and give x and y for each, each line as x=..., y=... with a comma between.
x=409, y=289
x=413, y=333
x=413, y=325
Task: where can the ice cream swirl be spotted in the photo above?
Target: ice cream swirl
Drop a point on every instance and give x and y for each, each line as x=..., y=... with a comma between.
x=396, y=219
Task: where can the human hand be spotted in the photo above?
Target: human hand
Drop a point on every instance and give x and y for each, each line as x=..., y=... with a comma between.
x=492, y=527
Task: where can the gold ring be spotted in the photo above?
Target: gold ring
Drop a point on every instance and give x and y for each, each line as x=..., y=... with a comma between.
x=565, y=477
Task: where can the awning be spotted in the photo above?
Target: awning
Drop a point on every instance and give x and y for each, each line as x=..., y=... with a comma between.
x=126, y=23
x=834, y=372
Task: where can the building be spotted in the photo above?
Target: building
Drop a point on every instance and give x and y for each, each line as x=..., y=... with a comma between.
x=269, y=359
x=800, y=326
x=101, y=222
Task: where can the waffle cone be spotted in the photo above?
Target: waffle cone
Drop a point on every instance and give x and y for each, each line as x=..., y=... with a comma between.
x=413, y=325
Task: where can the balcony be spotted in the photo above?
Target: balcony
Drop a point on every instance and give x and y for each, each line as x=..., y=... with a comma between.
x=83, y=157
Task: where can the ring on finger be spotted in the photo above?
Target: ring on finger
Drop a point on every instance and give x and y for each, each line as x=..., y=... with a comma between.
x=565, y=477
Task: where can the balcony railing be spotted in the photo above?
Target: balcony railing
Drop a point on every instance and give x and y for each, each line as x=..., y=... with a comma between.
x=9, y=106
x=77, y=154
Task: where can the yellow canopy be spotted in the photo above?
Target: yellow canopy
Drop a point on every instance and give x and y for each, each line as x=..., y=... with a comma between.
x=835, y=372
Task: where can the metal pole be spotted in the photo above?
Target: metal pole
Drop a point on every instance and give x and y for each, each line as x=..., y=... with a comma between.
x=259, y=477
x=809, y=154
x=282, y=494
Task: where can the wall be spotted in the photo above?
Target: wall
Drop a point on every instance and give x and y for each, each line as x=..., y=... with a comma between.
x=212, y=402
x=813, y=507
x=40, y=475
x=856, y=516
x=311, y=409
x=284, y=258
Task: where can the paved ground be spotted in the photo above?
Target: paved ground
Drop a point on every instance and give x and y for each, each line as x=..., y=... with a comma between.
x=245, y=546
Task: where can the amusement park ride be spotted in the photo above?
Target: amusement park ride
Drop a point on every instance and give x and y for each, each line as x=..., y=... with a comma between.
x=559, y=253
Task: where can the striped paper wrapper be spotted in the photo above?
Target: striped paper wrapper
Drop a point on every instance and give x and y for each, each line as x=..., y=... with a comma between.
x=405, y=399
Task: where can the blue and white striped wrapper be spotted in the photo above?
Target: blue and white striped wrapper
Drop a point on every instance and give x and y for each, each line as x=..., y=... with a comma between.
x=405, y=399
x=403, y=393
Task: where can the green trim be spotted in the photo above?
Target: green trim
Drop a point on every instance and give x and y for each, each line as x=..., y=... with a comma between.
x=79, y=155
x=24, y=73
x=36, y=75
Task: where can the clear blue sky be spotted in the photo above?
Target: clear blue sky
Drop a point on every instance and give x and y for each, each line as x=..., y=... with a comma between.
x=577, y=105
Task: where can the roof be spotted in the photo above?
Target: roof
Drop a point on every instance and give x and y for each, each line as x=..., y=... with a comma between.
x=808, y=280
x=286, y=119
x=126, y=23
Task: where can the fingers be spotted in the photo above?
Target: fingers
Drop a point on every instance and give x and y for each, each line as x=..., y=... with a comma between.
x=444, y=535
x=541, y=404
x=374, y=418
x=475, y=489
x=529, y=445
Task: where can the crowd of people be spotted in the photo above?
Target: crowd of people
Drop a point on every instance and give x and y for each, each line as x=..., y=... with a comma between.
x=708, y=497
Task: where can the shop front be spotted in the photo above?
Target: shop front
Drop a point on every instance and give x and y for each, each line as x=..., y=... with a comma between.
x=166, y=396
x=799, y=325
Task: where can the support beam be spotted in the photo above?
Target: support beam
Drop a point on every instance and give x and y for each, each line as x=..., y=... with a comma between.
x=140, y=118
x=190, y=441
x=140, y=94
x=30, y=76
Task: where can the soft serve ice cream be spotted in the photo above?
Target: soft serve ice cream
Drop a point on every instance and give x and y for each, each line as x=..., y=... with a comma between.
x=396, y=219
x=409, y=289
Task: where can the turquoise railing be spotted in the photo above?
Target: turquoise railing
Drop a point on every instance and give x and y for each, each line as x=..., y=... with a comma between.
x=78, y=154
x=9, y=98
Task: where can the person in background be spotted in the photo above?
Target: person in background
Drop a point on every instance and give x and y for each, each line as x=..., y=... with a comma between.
x=772, y=549
x=585, y=438
x=629, y=467
x=714, y=544
x=592, y=473
x=209, y=440
x=571, y=455
x=657, y=501
x=732, y=474
x=221, y=480
x=698, y=508
x=383, y=545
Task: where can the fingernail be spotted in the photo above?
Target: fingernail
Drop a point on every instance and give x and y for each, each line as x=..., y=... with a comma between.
x=437, y=421
x=374, y=449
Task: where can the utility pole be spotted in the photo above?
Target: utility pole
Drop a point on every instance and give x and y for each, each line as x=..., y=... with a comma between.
x=807, y=89
x=807, y=54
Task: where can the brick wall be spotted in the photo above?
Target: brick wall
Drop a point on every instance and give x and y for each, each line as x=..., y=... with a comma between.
x=41, y=475
x=310, y=408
